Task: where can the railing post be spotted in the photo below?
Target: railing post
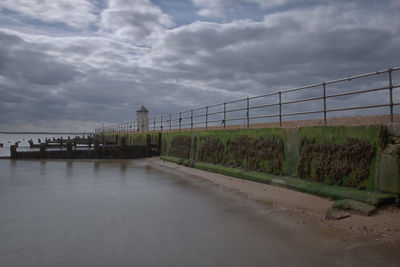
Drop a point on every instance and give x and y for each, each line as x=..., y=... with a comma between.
x=280, y=108
x=248, y=112
x=191, y=119
x=324, y=98
x=180, y=120
x=206, y=117
x=391, y=94
x=224, y=115
x=170, y=121
x=161, y=125
x=154, y=124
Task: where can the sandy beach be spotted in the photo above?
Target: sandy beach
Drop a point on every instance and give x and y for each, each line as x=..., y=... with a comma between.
x=380, y=229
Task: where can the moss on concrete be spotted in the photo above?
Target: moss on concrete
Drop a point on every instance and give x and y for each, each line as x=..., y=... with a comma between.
x=328, y=191
x=342, y=138
x=255, y=149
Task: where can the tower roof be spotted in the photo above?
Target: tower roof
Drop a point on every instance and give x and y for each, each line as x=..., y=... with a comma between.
x=142, y=110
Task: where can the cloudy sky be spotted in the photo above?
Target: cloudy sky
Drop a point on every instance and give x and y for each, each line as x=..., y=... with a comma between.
x=71, y=65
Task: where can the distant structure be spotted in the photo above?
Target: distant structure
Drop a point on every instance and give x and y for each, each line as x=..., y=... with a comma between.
x=142, y=118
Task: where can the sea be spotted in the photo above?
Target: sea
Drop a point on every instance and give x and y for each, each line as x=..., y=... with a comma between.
x=132, y=213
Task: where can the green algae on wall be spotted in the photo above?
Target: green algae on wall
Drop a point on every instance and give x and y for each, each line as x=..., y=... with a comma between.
x=253, y=149
x=180, y=145
x=339, y=155
x=339, y=164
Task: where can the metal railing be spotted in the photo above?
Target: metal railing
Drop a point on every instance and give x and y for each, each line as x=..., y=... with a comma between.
x=278, y=105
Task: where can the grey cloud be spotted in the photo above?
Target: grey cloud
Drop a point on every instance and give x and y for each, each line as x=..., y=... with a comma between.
x=19, y=62
x=75, y=13
x=136, y=20
x=217, y=8
x=287, y=50
x=103, y=76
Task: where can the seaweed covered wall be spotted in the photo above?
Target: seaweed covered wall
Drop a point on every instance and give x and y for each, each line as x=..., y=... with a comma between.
x=260, y=150
x=336, y=155
x=339, y=155
x=346, y=164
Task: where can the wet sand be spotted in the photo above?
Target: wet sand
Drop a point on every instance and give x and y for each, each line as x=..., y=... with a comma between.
x=379, y=230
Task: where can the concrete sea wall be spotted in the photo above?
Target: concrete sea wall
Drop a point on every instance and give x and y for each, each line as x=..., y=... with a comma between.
x=362, y=157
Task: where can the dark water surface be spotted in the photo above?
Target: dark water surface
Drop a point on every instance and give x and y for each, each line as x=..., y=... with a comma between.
x=126, y=213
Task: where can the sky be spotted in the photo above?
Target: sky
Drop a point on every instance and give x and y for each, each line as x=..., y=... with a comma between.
x=72, y=65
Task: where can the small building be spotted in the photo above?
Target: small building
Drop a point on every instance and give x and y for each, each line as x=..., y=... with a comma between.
x=142, y=118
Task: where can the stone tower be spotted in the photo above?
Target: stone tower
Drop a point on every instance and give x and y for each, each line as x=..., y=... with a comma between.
x=142, y=118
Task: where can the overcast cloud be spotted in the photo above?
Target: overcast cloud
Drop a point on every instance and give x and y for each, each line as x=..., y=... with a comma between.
x=73, y=65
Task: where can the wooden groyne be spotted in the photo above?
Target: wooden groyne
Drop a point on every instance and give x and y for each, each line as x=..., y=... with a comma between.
x=69, y=150
x=60, y=142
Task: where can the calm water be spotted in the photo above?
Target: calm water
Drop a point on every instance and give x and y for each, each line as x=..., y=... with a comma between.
x=126, y=213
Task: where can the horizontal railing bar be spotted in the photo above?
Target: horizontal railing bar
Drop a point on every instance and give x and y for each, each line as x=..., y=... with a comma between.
x=302, y=113
x=199, y=115
x=196, y=109
x=235, y=101
x=302, y=88
x=237, y=119
x=216, y=105
x=236, y=109
x=261, y=96
x=359, y=76
x=215, y=121
x=263, y=116
x=359, y=107
x=264, y=106
x=357, y=92
x=214, y=113
x=303, y=100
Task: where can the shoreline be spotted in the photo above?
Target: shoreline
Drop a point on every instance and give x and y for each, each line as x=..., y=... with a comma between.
x=382, y=228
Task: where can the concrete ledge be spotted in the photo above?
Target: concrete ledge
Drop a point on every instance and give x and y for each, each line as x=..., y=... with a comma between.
x=373, y=198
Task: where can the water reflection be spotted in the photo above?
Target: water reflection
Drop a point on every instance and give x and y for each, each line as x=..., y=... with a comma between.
x=96, y=166
x=69, y=168
x=157, y=218
x=123, y=166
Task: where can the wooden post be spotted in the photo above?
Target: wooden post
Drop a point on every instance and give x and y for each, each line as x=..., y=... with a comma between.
x=159, y=143
x=69, y=150
x=42, y=151
x=13, y=152
x=148, y=145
